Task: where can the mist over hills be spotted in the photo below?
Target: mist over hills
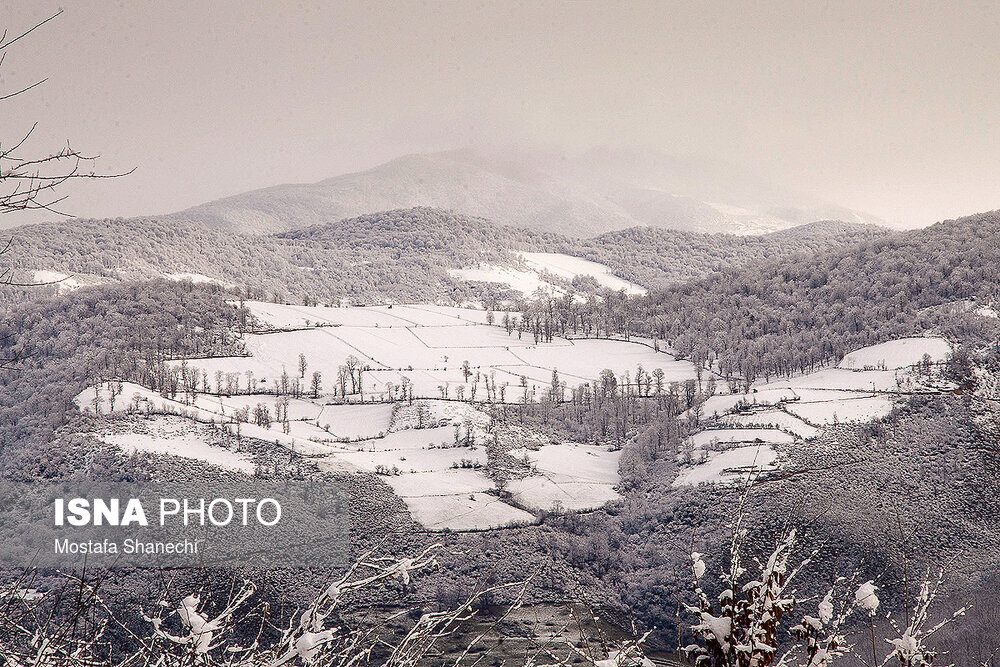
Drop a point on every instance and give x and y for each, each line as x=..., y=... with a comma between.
x=581, y=196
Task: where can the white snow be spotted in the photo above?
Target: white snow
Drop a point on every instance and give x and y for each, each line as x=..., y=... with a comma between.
x=988, y=311
x=723, y=403
x=63, y=282
x=532, y=280
x=844, y=379
x=137, y=399
x=543, y=493
x=727, y=466
x=440, y=476
x=352, y=422
x=173, y=437
x=731, y=435
x=474, y=511
x=863, y=388
x=843, y=410
x=526, y=282
x=227, y=406
x=897, y=354
x=427, y=346
x=439, y=483
x=569, y=267
x=278, y=315
x=440, y=495
x=413, y=451
x=569, y=476
x=865, y=596
x=774, y=418
x=197, y=279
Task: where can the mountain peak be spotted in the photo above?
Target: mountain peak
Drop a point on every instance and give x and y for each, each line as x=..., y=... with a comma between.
x=580, y=195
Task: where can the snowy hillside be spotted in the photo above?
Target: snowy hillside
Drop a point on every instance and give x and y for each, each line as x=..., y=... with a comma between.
x=746, y=430
x=436, y=351
x=575, y=195
x=540, y=267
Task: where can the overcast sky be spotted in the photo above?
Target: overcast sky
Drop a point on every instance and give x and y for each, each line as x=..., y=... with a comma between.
x=890, y=108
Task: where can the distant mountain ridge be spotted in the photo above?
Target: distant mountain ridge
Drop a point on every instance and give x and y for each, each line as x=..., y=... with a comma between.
x=580, y=196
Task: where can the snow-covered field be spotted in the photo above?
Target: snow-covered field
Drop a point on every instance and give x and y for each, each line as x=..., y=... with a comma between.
x=61, y=281
x=713, y=436
x=175, y=437
x=728, y=466
x=773, y=418
x=196, y=278
x=465, y=511
x=445, y=485
x=539, y=264
x=432, y=453
x=426, y=347
x=569, y=267
x=843, y=410
x=527, y=283
x=864, y=387
x=570, y=476
x=722, y=403
x=897, y=354
x=136, y=399
x=432, y=450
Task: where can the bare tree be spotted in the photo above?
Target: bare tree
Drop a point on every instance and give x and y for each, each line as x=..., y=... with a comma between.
x=31, y=181
x=317, y=384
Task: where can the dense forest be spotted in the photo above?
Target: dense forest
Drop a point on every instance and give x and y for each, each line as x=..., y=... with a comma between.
x=780, y=317
x=55, y=346
x=401, y=255
x=656, y=257
x=789, y=315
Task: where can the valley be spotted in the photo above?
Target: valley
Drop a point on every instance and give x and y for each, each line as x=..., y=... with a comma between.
x=590, y=425
x=408, y=392
x=558, y=334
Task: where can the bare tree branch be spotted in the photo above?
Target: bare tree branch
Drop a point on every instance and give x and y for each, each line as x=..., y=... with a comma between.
x=30, y=182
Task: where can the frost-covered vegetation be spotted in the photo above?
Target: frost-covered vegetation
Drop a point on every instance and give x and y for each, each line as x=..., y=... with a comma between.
x=884, y=462
x=399, y=255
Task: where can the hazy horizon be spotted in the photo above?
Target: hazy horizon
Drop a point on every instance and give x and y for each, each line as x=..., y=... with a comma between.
x=881, y=108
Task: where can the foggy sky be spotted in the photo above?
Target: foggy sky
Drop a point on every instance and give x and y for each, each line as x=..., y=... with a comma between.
x=890, y=108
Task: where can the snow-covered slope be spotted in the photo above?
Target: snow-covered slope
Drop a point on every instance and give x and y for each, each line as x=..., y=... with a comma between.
x=541, y=267
x=896, y=354
x=426, y=346
x=576, y=195
x=569, y=267
x=864, y=387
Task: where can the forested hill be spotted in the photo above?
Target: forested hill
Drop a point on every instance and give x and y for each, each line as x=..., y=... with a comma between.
x=422, y=229
x=398, y=255
x=659, y=257
x=401, y=255
x=783, y=316
x=649, y=256
x=574, y=195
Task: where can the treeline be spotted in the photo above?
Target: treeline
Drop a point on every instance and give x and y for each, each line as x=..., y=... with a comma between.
x=781, y=317
x=54, y=347
x=793, y=315
x=363, y=260
x=656, y=257
x=403, y=255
